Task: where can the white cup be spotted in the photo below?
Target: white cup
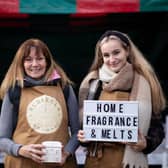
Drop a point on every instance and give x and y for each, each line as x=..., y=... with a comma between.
x=53, y=151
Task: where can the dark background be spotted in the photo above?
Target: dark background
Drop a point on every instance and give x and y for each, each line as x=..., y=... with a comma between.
x=72, y=39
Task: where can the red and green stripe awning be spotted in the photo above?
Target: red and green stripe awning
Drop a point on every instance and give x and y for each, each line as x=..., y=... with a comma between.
x=81, y=6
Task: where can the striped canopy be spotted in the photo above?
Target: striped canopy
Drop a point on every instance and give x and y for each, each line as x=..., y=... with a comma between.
x=80, y=6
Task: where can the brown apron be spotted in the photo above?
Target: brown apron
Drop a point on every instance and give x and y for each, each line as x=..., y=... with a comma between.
x=32, y=127
x=106, y=154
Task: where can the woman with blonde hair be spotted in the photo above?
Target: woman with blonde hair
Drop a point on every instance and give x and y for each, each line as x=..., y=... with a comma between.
x=39, y=105
x=120, y=72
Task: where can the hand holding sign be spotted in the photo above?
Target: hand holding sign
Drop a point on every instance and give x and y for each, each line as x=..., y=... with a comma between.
x=81, y=136
x=140, y=144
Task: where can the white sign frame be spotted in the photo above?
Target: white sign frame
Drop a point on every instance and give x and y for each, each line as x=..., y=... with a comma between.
x=113, y=121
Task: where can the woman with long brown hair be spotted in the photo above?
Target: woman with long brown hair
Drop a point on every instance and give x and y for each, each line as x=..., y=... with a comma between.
x=120, y=72
x=39, y=105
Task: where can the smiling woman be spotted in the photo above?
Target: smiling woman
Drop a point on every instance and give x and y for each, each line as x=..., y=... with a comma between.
x=39, y=111
x=72, y=41
x=120, y=72
x=34, y=63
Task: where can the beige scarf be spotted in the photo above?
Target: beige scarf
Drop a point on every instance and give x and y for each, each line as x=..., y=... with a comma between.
x=105, y=74
x=140, y=91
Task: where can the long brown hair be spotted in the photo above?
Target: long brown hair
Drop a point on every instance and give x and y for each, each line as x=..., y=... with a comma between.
x=15, y=72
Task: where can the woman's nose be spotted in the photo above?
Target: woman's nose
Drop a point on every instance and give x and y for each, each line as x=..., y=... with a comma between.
x=111, y=58
x=34, y=62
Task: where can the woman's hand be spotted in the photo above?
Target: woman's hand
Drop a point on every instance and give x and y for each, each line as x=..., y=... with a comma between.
x=140, y=145
x=81, y=136
x=32, y=151
x=65, y=155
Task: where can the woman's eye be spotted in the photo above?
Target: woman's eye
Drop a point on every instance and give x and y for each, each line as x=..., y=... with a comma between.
x=40, y=58
x=28, y=59
x=105, y=55
x=116, y=52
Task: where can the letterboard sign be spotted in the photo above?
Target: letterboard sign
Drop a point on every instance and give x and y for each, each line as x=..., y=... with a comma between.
x=115, y=121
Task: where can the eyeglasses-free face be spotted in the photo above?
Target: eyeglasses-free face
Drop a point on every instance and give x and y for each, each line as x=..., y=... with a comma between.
x=35, y=65
x=114, y=54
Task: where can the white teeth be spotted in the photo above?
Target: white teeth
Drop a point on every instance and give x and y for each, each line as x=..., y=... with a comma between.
x=34, y=69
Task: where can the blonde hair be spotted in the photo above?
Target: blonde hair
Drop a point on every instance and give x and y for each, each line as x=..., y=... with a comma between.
x=15, y=73
x=140, y=65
